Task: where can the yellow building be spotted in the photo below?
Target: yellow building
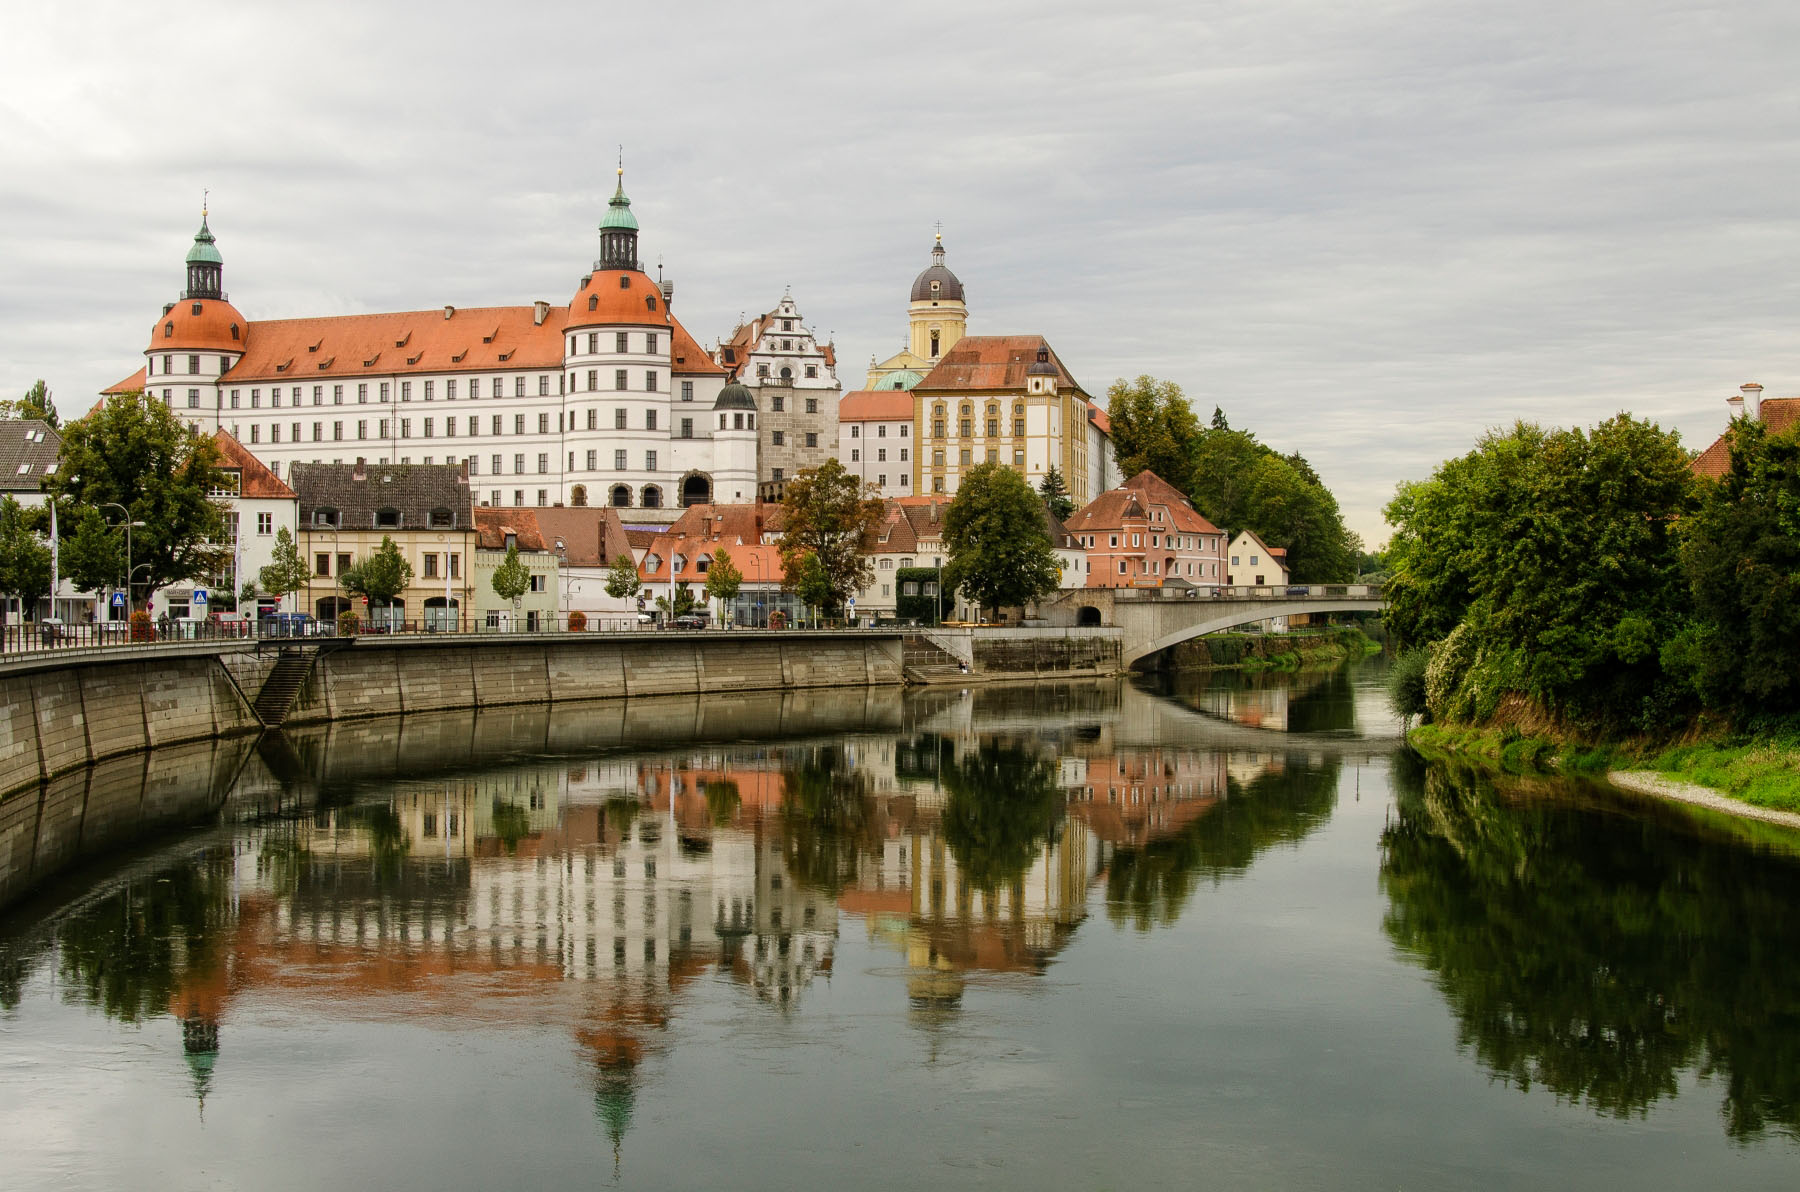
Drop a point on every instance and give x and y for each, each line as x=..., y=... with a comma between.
x=347, y=509
x=937, y=317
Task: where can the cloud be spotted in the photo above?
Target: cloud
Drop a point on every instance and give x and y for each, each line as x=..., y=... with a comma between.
x=1368, y=231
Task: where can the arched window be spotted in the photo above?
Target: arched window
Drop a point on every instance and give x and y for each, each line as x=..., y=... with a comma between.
x=578, y=496
x=621, y=496
x=787, y=374
x=652, y=497
x=934, y=335
x=696, y=490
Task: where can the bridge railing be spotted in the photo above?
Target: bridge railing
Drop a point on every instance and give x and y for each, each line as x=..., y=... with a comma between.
x=1253, y=592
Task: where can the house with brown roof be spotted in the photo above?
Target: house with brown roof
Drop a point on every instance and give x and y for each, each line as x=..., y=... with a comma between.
x=347, y=509
x=1146, y=534
x=497, y=532
x=1006, y=399
x=258, y=506
x=685, y=555
x=911, y=535
x=1777, y=413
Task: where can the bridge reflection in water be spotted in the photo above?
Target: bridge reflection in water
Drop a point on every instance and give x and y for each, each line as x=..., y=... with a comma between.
x=586, y=865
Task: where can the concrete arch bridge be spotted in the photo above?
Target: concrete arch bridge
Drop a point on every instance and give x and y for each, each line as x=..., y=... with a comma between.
x=1153, y=619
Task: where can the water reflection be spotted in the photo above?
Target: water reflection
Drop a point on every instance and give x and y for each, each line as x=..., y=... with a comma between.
x=1597, y=952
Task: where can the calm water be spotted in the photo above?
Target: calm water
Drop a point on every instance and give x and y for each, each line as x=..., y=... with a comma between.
x=1087, y=936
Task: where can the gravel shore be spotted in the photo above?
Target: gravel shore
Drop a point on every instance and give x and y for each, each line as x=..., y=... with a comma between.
x=1649, y=782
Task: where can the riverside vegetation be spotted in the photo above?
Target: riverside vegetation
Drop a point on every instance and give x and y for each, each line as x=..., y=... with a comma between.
x=1582, y=598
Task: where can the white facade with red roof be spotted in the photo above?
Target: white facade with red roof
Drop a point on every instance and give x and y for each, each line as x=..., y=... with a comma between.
x=1145, y=534
x=875, y=439
x=604, y=400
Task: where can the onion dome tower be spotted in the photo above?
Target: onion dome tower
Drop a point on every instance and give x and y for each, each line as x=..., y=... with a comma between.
x=618, y=232
x=938, y=315
x=203, y=321
x=734, y=469
x=205, y=267
x=1040, y=374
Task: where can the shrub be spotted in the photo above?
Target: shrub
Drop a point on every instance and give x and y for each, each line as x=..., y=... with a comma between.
x=577, y=621
x=1406, y=684
x=1450, y=661
x=348, y=623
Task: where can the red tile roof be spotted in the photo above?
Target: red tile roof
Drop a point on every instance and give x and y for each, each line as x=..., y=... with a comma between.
x=687, y=358
x=617, y=296
x=992, y=362
x=1134, y=499
x=204, y=324
x=495, y=523
x=255, y=481
x=876, y=405
x=132, y=384
x=592, y=536
x=1100, y=418
x=1778, y=413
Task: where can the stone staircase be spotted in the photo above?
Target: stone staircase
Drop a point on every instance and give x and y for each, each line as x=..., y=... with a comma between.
x=924, y=661
x=276, y=699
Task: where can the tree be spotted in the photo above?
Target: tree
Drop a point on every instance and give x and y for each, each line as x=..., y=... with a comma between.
x=999, y=549
x=723, y=579
x=512, y=579
x=1740, y=557
x=1552, y=554
x=1153, y=428
x=24, y=559
x=834, y=517
x=1000, y=809
x=35, y=404
x=684, y=601
x=1056, y=494
x=134, y=452
x=622, y=581
x=381, y=577
x=287, y=571
x=811, y=583
x=92, y=551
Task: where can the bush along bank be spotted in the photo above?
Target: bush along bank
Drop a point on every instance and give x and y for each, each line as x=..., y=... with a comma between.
x=1271, y=651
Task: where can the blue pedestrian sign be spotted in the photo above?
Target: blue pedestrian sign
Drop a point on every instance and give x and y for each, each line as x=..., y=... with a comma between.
x=200, y=597
x=118, y=600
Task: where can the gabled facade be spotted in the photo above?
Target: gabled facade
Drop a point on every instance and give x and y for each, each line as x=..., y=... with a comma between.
x=497, y=531
x=1254, y=563
x=792, y=378
x=257, y=506
x=1144, y=534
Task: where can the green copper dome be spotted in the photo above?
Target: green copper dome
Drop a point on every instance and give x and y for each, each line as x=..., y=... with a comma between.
x=203, y=252
x=618, y=214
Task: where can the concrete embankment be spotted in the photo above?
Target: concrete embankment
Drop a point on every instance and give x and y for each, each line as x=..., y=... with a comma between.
x=62, y=712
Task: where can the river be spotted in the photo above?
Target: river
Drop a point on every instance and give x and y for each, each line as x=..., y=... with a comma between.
x=1216, y=931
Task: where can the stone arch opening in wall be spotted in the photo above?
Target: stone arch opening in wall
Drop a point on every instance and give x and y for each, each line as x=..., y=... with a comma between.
x=652, y=497
x=787, y=374
x=578, y=496
x=621, y=496
x=696, y=489
x=328, y=608
x=1087, y=617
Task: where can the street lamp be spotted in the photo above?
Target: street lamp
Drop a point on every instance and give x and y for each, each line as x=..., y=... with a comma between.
x=129, y=569
x=562, y=580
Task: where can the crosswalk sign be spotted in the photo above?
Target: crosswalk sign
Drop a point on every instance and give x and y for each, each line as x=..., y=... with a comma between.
x=118, y=600
x=200, y=597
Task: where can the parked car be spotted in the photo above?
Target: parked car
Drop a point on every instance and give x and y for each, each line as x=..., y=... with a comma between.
x=1298, y=590
x=692, y=621
x=288, y=625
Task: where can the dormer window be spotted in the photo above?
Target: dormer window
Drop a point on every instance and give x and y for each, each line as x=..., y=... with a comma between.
x=387, y=519
x=624, y=281
x=234, y=331
x=168, y=331
x=442, y=519
x=325, y=517
x=593, y=302
x=512, y=542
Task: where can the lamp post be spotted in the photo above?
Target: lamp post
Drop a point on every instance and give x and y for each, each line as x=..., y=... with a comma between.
x=129, y=569
x=562, y=567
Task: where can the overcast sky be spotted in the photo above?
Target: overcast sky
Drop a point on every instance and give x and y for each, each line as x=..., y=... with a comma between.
x=1368, y=231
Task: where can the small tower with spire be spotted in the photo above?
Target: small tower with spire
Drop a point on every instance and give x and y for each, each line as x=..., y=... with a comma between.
x=205, y=267
x=938, y=315
x=618, y=231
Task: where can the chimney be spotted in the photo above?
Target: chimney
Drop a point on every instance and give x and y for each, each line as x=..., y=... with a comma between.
x=539, y=309
x=448, y=311
x=1752, y=400
x=1736, y=402
x=934, y=512
x=359, y=473
x=668, y=292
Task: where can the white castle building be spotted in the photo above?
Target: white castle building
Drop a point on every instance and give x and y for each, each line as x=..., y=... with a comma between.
x=606, y=400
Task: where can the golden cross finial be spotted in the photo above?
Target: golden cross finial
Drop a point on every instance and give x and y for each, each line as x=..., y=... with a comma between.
x=204, y=194
x=940, y=231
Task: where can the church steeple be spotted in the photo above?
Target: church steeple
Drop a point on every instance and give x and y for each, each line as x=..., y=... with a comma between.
x=205, y=267
x=618, y=232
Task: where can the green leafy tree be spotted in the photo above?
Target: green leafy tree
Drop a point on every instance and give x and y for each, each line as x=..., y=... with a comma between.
x=381, y=577
x=134, y=451
x=512, y=579
x=35, y=404
x=1553, y=556
x=684, y=601
x=622, y=580
x=1740, y=556
x=812, y=584
x=1056, y=494
x=834, y=517
x=1153, y=428
x=723, y=579
x=287, y=571
x=92, y=551
x=999, y=549
x=1000, y=809
x=24, y=559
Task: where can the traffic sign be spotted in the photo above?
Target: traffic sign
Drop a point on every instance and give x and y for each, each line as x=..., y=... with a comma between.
x=118, y=600
x=200, y=597
x=850, y=601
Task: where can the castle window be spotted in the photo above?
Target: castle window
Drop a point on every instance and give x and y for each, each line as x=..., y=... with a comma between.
x=812, y=370
x=934, y=335
x=168, y=333
x=234, y=331
x=593, y=302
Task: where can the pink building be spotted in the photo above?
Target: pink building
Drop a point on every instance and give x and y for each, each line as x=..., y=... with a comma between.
x=1144, y=534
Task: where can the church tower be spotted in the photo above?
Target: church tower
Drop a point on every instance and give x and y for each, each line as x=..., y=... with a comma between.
x=618, y=232
x=205, y=267
x=938, y=316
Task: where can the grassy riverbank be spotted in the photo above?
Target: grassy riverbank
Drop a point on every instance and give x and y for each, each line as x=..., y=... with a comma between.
x=1762, y=772
x=1252, y=652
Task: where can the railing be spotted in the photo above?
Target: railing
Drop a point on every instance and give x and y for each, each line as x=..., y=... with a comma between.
x=1250, y=592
